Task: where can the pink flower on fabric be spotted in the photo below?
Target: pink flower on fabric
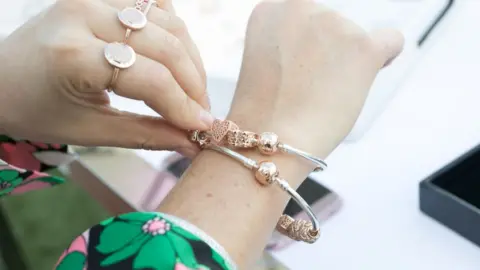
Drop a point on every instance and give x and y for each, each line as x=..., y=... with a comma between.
x=156, y=226
x=20, y=155
x=33, y=185
x=46, y=146
x=78, y=245
x=14, y=181
x=180, y=266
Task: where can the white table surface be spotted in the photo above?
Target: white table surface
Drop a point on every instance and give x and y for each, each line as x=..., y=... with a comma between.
x=432, y=120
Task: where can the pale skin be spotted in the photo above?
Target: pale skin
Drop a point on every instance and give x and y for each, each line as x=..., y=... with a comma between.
x=54, y=77
x=309, y=93
x=305, y=76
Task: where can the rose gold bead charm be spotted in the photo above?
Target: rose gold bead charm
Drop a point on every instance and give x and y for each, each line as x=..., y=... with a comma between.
x=268, y=143
x=266, y=173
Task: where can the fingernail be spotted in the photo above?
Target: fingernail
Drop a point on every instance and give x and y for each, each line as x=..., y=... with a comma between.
x=206, y=118
x=207, y=101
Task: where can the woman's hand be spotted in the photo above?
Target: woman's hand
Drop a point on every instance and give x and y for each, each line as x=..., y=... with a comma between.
x=306, y=73
x=54, y=75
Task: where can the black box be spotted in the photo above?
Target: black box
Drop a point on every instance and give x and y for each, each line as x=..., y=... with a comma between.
x=452, y=195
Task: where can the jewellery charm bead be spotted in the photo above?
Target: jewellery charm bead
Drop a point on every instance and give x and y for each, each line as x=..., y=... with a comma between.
x=120, y=55
x=200, y=137
x=299, y=230
x=266, y=173
x=193, y=136
x=220, y=129
x=242, y=139
x=283, y=223
x=268, y=143
x=132, y=18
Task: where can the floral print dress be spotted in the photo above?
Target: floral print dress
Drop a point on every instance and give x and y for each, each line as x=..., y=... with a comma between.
x=132, y=241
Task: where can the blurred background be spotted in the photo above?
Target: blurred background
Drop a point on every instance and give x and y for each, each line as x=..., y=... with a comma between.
x=421, y=114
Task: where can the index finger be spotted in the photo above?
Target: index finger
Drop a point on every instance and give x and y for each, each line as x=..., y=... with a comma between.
x=164, y=17
x=146, y=80
x=177, y=27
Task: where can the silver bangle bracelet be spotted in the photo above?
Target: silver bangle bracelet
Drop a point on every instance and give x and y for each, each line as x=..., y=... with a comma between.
x=228, y=133
x=266, y=173
x=320, y=165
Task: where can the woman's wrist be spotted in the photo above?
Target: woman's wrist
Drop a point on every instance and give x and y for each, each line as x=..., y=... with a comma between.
x=317, y=134
x=217, y=190
x=222, y=198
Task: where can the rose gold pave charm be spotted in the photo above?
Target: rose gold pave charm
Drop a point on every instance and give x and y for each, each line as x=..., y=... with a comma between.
x=283, y=223
x=221, y=128
x=299, y=230
x=242, y=139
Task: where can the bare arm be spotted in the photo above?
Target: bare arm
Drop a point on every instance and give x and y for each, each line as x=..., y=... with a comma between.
x=221, y=196
x=305, y=76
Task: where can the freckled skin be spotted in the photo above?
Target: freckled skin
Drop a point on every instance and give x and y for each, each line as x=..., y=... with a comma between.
x=284, y=86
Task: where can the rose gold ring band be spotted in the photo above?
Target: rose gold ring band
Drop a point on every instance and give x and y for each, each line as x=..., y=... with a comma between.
x=121, y=55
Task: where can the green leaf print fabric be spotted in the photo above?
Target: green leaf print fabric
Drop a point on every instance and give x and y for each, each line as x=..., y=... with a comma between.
x=134, y=241
x=140, y=241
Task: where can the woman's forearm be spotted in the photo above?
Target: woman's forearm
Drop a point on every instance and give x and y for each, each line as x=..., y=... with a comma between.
x=305, y=76
x=222, y=197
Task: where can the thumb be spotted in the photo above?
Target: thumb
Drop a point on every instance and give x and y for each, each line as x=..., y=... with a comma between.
x=116, y=128
x=389, y=43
